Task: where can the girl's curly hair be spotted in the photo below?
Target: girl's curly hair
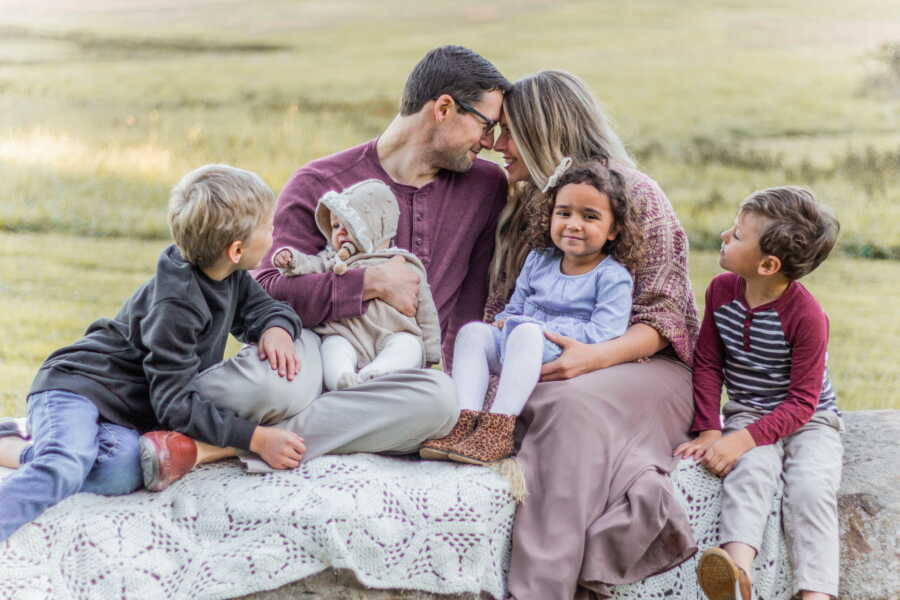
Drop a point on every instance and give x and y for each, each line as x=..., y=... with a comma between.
x=626, y=247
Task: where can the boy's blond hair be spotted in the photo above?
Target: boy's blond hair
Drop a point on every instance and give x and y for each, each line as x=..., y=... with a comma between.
x=213, y=206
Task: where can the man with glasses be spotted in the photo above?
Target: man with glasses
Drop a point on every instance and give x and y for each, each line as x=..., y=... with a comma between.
x=448, y=201
x=490, y=125
x=449, y=204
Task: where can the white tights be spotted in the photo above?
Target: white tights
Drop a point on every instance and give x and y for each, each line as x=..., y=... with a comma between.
x=475, y=358
x=402, y=351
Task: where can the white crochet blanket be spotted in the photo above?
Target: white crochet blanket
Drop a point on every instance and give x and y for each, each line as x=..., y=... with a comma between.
x=221, y=533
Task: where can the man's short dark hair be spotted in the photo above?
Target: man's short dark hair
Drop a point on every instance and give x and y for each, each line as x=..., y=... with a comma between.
x=801, y=231
x=454, y=70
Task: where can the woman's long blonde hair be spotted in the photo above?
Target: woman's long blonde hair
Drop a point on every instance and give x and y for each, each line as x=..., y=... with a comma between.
x=551, y=115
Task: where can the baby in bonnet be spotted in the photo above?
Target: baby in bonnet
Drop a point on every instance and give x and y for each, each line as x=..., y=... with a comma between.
x=359, y=223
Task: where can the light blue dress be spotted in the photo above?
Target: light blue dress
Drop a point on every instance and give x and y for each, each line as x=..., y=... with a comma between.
x=591, y=308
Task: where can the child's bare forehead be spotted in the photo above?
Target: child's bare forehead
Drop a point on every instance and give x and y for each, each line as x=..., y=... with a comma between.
x=747, y=219
x=745, y=215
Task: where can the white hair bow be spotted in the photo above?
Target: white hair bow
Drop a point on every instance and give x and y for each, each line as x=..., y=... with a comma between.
x=564, y=164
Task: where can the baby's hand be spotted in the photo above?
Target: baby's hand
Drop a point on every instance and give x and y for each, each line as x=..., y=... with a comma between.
x=499, y=324
x=697, y=446
x=280, y=448
x=282, y=259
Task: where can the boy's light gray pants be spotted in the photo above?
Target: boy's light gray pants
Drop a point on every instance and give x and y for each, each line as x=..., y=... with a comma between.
x=809, y=461
x=394, y=413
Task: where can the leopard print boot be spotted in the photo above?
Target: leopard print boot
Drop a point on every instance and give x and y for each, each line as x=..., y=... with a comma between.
x=491, y=441
x=439, y=449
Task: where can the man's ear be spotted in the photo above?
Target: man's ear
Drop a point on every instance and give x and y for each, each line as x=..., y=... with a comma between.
x=235, y=251
x=442, y=107
x=769, y=265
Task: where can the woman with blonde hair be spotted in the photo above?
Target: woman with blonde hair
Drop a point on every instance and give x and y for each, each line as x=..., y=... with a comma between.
x=600, y=427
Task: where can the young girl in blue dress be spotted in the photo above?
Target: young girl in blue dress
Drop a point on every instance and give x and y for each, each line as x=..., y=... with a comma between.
x=579, y=288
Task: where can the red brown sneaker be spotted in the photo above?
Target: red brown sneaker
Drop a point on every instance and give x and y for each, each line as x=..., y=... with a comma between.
x=720, y=578
x=491, y=441
x=14, y=426
x=166, y=456
x=439, y=449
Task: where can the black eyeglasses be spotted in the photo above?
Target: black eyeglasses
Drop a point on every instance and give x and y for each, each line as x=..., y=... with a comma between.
x=489, y=124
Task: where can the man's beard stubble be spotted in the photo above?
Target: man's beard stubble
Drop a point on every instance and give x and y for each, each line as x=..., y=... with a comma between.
x=457, y=161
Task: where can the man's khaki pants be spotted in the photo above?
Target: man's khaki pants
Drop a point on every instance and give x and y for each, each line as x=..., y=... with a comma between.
x=394, y=413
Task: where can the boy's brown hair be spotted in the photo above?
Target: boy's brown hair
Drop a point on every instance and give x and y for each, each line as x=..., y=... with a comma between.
x=627, y=247
x=213, y=206
x=801, y=231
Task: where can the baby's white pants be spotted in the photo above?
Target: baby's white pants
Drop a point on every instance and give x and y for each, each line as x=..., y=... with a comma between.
x=401, y=351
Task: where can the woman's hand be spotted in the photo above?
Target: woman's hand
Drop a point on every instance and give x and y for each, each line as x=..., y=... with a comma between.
x=576, y=358
x=696, y=447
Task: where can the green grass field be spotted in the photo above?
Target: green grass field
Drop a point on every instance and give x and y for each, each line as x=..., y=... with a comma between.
x=103, y=106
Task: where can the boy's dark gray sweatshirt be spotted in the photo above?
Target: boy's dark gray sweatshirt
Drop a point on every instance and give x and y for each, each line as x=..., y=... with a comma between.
x=139, y=367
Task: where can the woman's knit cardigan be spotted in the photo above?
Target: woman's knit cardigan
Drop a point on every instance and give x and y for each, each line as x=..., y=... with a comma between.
x=663, y=298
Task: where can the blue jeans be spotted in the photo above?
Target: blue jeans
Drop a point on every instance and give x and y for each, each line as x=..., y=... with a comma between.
x=73, y=451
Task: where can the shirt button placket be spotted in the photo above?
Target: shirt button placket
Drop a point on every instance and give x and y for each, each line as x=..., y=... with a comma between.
x=419, y=229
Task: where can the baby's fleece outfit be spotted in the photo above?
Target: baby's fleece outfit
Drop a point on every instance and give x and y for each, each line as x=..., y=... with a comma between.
x=591, y=307
x=370, y=212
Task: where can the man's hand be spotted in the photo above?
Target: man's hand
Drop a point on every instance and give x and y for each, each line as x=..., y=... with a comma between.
x=574, y=360
x=696, y=447
x=396, y=283
x=281, y=449
x=723, y=454
x=277, y=346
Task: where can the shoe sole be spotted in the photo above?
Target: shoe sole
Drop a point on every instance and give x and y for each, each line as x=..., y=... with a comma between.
x=433, y=454
x=718, y=576
x=149, y=465
x=467, y=460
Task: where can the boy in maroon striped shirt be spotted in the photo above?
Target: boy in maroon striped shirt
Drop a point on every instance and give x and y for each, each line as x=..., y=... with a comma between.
x=766, y=337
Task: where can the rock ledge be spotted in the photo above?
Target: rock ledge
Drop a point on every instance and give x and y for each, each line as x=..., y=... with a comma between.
x=869, y=504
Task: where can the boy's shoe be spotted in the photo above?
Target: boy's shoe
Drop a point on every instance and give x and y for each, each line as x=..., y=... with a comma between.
x=17, y=426
x=491, y=441
x=166, y=456
x=439, y=449
x=720, y=578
